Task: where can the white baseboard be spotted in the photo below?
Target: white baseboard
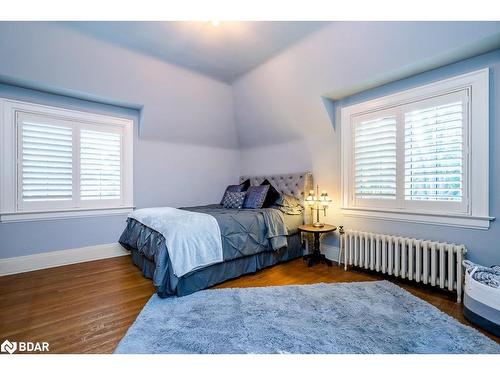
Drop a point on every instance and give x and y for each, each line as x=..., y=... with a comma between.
x=10, y=266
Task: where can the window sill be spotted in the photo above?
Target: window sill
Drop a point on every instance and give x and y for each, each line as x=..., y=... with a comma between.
x=13, y=217
x=449, y=220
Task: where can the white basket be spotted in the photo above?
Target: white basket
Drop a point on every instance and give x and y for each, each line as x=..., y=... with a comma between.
x=480, y=292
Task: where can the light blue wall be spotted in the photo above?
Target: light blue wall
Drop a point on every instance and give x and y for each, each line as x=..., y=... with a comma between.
x=185, y=133
x=186, y=126
x=286, y=127
x=484, y=246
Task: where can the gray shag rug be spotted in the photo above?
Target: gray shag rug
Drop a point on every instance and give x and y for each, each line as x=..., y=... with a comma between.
x=362, y=317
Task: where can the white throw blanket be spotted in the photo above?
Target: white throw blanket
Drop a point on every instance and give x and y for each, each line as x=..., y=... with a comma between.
x=193, y=239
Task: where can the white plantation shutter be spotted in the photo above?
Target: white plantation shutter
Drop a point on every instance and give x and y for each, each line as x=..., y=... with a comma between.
x=434, y=159
x=420, y=155
x=100, y=165
x=45, y=163
x=60, y=163
x=412, y=156
x=375, y=158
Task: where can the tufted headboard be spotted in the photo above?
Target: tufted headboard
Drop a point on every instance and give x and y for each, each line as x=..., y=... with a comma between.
x=295, y=184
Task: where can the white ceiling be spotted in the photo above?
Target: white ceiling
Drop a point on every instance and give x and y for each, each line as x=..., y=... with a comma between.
x=223, y=52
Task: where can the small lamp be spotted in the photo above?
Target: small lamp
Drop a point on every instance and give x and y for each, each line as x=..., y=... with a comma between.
x=318, y=202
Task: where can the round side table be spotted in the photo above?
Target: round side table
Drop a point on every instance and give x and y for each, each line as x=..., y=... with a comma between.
x=316, y=256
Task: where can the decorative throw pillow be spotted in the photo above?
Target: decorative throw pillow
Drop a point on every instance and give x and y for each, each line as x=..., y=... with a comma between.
x=245, y=185
x=289, y=205
x=236, y=188
x=233, y=199
x=256, y=195
x=272, y=194
x=286, y=200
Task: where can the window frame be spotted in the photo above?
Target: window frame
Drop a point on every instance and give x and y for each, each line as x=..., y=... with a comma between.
x=474, y=213
x=12, y=208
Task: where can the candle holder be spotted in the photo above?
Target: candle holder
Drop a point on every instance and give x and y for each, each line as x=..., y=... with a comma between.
x=318, y=202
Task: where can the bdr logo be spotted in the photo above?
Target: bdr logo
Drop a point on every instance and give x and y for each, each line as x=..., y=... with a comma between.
x=22, y=346
x=8, y=347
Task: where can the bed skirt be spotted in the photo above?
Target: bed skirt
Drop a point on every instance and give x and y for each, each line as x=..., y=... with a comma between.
x=217, y=273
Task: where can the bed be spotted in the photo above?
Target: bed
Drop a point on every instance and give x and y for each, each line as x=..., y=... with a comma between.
x=246, y=244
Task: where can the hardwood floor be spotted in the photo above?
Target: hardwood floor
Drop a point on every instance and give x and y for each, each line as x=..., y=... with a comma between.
x=88, y=307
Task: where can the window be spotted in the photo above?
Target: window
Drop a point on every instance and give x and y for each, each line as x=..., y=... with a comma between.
x=420, y=155
x=61, y=163
x=100, y=165
x=435, y=145
x=375, y=158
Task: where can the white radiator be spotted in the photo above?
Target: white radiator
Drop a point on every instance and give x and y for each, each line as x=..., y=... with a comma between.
x=428, y=262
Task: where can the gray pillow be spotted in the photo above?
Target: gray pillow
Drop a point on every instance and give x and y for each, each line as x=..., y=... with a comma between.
x=289, y=205
x=286, y=200
x=256, y=196
x=233, y=199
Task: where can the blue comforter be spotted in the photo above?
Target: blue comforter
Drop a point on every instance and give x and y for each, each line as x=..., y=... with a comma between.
x=247, y=231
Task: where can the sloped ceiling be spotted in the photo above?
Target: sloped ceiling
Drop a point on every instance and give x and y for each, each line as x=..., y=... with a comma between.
x=224, y=52
x=283, y=100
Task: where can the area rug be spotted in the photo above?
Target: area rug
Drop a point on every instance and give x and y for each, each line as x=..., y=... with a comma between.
x=362, y=317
